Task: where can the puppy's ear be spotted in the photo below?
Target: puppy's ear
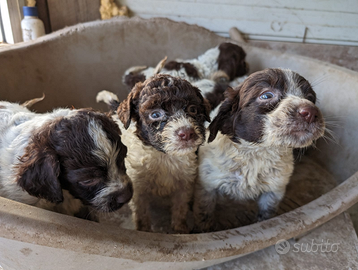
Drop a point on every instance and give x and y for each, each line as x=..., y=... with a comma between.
x=231, y=60
x=134, y=75
x=207, y=109
x=128, y=107
x=222, y=120
x=38, y=172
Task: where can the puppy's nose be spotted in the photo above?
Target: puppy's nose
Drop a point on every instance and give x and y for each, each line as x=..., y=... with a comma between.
x=126, y=195
x=186, y=134
x=120, y=198
x=308, y=113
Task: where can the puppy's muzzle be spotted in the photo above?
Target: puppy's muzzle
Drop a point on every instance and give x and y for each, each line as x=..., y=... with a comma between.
x=117, y=199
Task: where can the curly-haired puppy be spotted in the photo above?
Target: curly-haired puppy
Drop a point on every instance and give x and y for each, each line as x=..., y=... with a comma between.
x=222, y=63
x=168, y=116
x=70, y=161
x=250, y=149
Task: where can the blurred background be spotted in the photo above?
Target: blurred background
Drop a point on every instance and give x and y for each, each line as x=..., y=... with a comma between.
x=298, y=27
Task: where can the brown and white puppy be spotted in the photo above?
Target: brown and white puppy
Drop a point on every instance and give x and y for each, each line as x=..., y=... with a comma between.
x=65, y=160
x=167, y=116
x=250, y=149
x=222, y=63
x=213, y=90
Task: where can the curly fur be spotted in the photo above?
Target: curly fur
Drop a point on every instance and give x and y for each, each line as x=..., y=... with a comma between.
x=162, y=160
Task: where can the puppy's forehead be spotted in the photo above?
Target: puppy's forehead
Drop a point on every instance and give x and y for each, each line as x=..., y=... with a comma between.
x=285, y=81
x=168, y=90
x=94, y=131
x=296, y=84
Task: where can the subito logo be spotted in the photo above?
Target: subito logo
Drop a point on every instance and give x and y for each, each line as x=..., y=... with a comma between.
x=282, y=247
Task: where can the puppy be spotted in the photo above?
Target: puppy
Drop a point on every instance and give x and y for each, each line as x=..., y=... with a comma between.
x=250, y=149
x=222, y=63
x=213, y=90
x=70, y=161
x=167, y=116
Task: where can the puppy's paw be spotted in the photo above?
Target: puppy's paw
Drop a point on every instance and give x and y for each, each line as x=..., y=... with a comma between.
x=143, y=226
x=205, y=222
x=180, y=228
x=87, y=213
x=264, y=216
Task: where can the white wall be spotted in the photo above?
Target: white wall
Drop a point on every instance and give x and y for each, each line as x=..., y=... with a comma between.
x=313, y=21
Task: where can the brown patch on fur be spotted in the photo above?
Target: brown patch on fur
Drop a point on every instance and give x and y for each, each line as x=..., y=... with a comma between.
x=39, y=169
x=232, y=60
x=190, y=69
x=127, y=108
x=132, y=78
x=217, y=95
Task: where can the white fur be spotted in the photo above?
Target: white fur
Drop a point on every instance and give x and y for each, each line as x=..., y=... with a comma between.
x=244, y=170
x=106, y=96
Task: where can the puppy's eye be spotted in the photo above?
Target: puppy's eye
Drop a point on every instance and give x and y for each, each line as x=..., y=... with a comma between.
x=89, y=182
x=156, y=115
x=311, y=98
x=192, y=109
x=267, y=95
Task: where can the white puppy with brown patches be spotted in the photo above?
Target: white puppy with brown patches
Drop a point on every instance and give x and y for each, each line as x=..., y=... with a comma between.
x=69, y=161
x=224, y=62
x=250, y=149
x=167, y=116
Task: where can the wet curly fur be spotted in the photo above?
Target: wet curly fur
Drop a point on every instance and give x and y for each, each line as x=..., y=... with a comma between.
x=162, y=121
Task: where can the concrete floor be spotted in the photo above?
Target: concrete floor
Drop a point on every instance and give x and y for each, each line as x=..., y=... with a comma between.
x=339, y=251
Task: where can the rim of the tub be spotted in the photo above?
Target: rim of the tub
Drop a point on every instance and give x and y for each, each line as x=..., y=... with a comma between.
x=34, y=225
x=37, y=226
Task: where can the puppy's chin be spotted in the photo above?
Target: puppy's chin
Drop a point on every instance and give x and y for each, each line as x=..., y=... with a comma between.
x=292, y=136
x=304, y=138
x=181, y=149
x=297, y=139
x=113, y=196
